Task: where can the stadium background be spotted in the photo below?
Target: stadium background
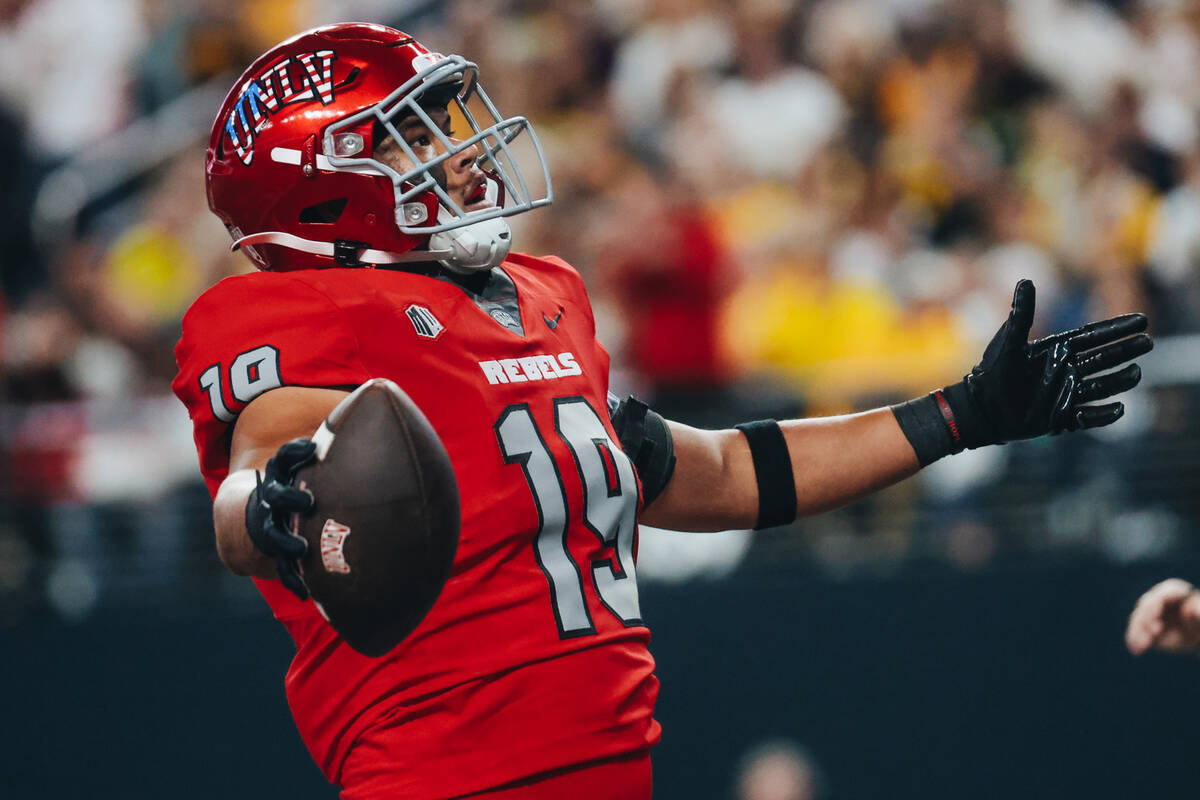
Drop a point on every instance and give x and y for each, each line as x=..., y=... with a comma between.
x=781, y=207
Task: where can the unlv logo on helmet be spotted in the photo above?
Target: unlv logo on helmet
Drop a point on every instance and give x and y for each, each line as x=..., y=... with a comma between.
x=305, y=77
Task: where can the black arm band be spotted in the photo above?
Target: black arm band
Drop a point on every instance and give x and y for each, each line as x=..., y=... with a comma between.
x=930, y=427
x=646, y=439
x=772, y=471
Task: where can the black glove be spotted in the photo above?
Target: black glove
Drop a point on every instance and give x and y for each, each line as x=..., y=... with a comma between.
x=273, y=500
x=1022, y=389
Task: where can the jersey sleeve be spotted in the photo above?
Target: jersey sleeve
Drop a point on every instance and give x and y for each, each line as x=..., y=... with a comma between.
x=248, y=335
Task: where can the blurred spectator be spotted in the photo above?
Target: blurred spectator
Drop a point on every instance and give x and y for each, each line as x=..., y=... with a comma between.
x=776, y=205
x=670, y=281
x=190, y=43
x=674, y=41
x=1174, y=253
x=65, y=66
x=778, y=769
x=39, y=340
x=22, y=269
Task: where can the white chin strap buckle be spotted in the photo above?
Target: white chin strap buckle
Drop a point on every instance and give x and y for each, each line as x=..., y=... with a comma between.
x=479, y=246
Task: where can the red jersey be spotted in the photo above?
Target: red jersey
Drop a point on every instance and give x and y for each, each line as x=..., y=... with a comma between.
x=534, y=657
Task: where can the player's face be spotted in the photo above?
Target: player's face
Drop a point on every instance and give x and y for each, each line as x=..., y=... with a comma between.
x=459, y=175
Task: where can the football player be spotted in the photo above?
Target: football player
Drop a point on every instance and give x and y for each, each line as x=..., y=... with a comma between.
x=369, y=179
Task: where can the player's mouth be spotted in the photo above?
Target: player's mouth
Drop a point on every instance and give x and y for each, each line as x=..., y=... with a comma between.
x=477, y=198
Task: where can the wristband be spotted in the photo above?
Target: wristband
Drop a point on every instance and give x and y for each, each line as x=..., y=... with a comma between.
x=930, y=426
x=772, y=472
x=973, y=429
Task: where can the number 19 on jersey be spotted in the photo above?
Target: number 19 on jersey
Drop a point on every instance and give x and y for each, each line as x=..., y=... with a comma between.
x=609, y=510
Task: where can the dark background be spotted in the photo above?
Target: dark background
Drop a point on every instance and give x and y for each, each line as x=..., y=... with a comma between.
x=1012, y=682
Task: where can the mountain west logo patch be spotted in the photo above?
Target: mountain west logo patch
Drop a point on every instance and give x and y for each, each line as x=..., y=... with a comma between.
x=424, y=322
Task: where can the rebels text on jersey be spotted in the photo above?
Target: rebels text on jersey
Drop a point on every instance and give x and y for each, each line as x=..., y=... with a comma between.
x=534, y=657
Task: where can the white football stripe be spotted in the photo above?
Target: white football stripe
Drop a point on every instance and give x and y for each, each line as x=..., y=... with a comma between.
x=322, y=439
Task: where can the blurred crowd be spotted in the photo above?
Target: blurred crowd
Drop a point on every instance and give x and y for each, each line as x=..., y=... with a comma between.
x=780, y=206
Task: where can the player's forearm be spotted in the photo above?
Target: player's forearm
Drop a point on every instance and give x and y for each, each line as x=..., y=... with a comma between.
x=834, y=460
x=236, y=550
x=266, y=424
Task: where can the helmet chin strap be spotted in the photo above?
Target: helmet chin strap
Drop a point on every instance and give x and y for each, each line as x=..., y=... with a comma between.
x=471, y=248
x=335, y=252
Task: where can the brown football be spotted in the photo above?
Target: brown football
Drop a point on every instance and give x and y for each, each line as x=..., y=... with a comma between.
x=382, y=536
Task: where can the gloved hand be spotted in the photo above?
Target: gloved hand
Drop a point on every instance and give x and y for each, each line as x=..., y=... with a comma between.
x=272, y=502
x=1022, y=389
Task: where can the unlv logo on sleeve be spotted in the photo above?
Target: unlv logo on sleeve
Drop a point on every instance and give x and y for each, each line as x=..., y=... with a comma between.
x=305, y=78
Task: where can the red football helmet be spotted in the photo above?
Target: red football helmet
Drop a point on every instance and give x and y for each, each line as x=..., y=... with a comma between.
x=291, y=167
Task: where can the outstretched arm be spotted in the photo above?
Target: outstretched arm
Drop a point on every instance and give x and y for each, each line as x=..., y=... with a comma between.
x=834, y=460
x=1019, y=390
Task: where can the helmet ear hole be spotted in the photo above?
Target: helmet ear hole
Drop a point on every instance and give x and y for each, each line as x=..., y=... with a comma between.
x=324, y=213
